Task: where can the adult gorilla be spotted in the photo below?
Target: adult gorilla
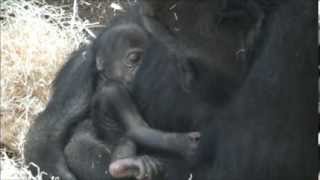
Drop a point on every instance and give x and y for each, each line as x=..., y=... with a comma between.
x=252, y=93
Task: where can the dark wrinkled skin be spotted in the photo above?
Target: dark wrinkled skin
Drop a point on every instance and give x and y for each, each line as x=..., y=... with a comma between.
x=257, y=111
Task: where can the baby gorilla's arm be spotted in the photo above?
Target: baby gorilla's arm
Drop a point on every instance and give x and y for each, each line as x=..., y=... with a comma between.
x=115, y=101
x=183, y=144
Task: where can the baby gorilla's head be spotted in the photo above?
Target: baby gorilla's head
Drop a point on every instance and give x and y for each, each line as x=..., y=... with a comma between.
x=120, y=52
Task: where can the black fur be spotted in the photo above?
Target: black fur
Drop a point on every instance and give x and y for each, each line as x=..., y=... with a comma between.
x=257, y=107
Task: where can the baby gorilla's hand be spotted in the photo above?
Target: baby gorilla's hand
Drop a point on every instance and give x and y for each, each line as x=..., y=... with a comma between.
x=189, y=144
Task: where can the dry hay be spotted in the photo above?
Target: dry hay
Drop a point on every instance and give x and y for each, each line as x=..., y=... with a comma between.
x=14, y=169
x=35, y=40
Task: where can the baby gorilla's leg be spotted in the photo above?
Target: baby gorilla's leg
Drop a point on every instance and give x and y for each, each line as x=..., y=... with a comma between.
x=125, y=148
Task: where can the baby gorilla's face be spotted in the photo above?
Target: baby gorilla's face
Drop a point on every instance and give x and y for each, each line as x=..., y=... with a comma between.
x=121, y=53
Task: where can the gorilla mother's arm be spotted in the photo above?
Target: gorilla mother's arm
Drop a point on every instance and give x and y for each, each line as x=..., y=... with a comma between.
x=47, y=137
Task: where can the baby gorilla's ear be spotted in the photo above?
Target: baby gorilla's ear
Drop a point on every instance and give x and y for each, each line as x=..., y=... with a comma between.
x=187, y=74
x=99, y=63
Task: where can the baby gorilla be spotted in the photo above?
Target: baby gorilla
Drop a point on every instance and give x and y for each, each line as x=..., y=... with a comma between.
x=119, y=54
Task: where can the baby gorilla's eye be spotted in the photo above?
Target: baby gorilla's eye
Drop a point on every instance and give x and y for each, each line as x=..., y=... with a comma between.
x=134, y=58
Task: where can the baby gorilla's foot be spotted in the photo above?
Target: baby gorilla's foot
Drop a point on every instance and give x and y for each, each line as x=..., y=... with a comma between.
x=141, y=168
